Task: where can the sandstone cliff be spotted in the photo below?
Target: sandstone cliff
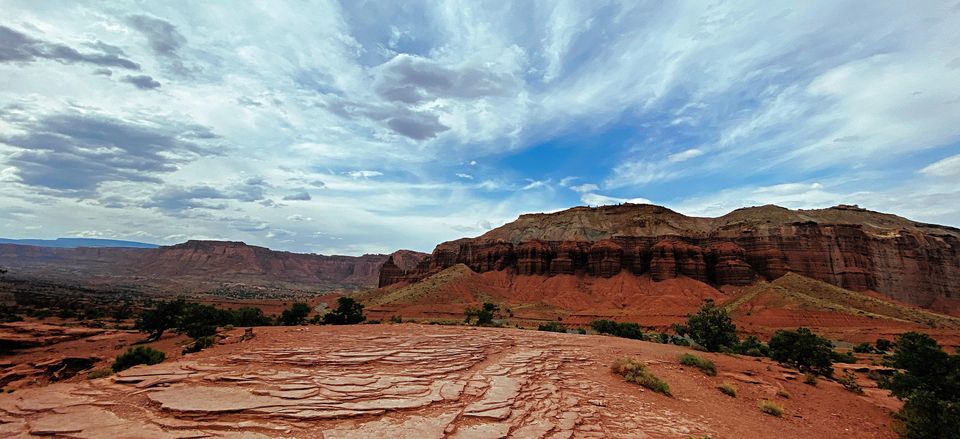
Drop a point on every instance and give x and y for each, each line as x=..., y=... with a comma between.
x=844, y=245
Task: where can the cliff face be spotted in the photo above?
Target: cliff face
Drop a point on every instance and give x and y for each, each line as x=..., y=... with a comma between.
x=208, y=260
x=844, y=246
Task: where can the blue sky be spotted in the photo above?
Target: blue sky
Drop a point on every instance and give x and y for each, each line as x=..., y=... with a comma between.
x=353, y=127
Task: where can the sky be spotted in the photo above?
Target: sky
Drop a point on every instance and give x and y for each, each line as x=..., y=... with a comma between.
x=364, y=127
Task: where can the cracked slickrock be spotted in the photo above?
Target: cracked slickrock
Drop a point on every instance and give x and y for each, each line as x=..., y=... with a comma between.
x=396, y=381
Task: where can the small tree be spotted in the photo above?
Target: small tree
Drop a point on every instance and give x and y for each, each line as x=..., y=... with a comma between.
x=711, y=327
x=803, y=350
x=883, y=345
x=929, y=381
x=296, y=315
x=162, y=317
x=348, y=312
x=250, y=316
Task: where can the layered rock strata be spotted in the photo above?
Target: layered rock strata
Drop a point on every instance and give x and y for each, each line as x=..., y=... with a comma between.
x=845, y=246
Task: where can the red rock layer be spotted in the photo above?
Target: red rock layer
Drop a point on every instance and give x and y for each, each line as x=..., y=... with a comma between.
x=844, y=246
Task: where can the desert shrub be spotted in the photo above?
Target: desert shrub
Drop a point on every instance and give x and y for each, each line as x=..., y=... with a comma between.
x=625, y=330
x=783, y=393
x=699, y=362
x=810, y=378
x=634, y=371
x=771, y=408
x=803, y=350
x=728, y=389
x=863, y=348
x=929, y=382
x=711, y=327
x=197, y=320
x=396, y=319
x=849, y=381
x=752, y=346
x=137, y=355
x=102, y=372
x=883, y=345
x=843, y=357
x=484, y=315
x=198, y=345
x=295, y=315
x=552, y=327
x=249, y=316
x=348, y=312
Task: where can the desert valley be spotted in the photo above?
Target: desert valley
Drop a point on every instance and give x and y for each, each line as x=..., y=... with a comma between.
x=539, y=365
x=479, y=219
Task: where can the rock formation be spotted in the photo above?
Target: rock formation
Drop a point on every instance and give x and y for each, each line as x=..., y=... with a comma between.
x=207, y=260
x=845, y=246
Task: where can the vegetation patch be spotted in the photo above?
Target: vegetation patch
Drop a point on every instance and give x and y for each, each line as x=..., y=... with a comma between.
x=625, y=330
x=636, y=372
x=771, y=408
x=711, y=327
x=552, y=327
x=929, y=383
x=728, y=389
x=135, y=356
x=699, y=362
x=802, y=350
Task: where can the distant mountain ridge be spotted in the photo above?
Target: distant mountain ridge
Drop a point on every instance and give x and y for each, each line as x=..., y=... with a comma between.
x=196, y=265
x=78, y=242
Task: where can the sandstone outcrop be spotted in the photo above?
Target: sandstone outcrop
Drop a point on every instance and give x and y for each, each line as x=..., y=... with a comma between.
x=845, y=246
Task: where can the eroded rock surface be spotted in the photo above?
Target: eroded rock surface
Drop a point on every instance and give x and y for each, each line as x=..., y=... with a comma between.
x=396, y=381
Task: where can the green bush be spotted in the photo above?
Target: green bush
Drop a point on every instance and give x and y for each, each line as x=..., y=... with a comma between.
x=928, y=380
x=552, y=327
x=484, y=315
x=396, y=319
x=625, y=330
x=810, y=378
x=348, y=312
x=883, y=345
x=711, y=327
x=863, y=348
x=699, y=362
x=752, y=346
x=296, y=315
x=849, y=381
x=635, y=372
x=843, y=357
x=803, y=350
x=771, y=408
x=135, y=356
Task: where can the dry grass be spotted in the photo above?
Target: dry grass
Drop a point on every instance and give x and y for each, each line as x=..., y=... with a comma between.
x=771, y=408
x=699, y=362
x=728, y=389
x=636, y=372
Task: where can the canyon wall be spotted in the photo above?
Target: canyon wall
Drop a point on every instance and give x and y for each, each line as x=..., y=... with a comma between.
x=844, y=246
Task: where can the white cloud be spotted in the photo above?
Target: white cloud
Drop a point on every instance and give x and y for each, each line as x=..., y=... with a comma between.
x=948, y=167
x=684, y=155
x=364, y=174
x=587, y=187
x=592, y=199
x=465, y=176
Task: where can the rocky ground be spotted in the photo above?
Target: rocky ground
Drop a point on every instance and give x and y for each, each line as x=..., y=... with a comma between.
x=416, y=381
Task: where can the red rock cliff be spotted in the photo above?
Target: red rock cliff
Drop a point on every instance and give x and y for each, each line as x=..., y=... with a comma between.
x=844, y=245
